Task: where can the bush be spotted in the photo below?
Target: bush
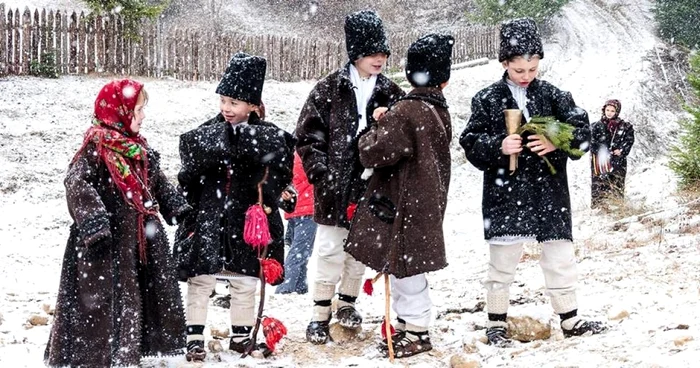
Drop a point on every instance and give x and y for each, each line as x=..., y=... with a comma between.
x=678, y=21
x=493, y=12
x=685, y=157
x=46, y=68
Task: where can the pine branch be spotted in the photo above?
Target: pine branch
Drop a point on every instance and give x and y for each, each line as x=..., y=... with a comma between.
x=560, y=134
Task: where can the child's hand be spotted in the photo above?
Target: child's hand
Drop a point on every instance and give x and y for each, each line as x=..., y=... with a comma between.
x=512, y=144
x=617, y=152
x=379, y=113
x=287, y=196
x=540, y=145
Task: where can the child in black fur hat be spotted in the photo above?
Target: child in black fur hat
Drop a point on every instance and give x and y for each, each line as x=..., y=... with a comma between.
x=338, y=108
x=531, y=204
x=398, y=226
x=223, y=160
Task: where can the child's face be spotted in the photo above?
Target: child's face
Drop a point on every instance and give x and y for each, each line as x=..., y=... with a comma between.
x=371, y=65
x=610, y=111
x=139, y=114
x=234, y=111
x=521, y=70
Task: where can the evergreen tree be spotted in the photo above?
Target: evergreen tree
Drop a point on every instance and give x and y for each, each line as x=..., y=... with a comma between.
x=132, y=11
x=678, y=21
x=494, y=12
x=685, y=157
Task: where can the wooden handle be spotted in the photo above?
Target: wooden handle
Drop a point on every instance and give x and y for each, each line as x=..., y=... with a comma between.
x=387, y=319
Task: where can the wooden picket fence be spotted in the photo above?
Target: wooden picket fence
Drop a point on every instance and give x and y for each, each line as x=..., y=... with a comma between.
x=82, y=45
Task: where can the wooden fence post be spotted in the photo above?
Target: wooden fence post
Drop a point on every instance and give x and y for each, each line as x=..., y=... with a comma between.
x=43, y=35
x=26, y=40
x=65, y=44
x=73, y=43
x=119, y=35
x=36, y=37
x=83, y=52
x=91, y=50
x=109, y=43
x=4, y=65
x=50, y=35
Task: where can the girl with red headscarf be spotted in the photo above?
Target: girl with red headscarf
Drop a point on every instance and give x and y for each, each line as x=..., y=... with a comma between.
x=611, y=141
x=118, y=298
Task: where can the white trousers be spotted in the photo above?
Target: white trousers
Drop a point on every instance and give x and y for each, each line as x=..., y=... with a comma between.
x=558, y=263
x=411, y=301
x=242, y=290
x=333, y=264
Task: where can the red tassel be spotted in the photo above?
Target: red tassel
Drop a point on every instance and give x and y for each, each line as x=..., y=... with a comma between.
x=368, y=288
x=274, y=330
x=351, y=211
x=271, y=269
x=256, y=231
x=393, y=330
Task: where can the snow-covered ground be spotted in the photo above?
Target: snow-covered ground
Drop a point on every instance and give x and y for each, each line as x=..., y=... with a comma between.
x=647, y=266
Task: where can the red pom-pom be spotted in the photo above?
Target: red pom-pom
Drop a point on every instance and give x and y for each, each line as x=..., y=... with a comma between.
x=368, y=288
x=271, y=269
x=393, y=331
x=351, y=211
x=256, y=231
x=274, y=330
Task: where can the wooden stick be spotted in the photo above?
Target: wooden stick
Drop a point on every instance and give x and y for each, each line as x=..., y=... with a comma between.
x=261, y=276
x=261, y=306
x=387, y=319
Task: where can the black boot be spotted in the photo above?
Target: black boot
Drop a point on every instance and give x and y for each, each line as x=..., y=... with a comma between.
x=349, y=317
x=498, y=337
x=195, y=351
x=583, y=327
x=318, y=332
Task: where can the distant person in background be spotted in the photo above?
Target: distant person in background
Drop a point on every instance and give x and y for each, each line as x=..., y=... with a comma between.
x=611, y=141
x=301, y=232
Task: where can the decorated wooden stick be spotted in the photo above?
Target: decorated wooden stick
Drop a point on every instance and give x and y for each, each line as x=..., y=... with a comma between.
x=387, y=315
x=513, y=119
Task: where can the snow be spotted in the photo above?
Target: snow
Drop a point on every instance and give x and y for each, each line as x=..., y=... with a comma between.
x=645, y=265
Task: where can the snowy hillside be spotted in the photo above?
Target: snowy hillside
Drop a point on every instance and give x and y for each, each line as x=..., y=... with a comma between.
x=639, y=267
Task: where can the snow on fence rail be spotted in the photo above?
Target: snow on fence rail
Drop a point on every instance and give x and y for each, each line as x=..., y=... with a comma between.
x=81, y=44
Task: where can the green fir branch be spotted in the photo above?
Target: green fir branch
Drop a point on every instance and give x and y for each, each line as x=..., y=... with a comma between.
x=560, y=134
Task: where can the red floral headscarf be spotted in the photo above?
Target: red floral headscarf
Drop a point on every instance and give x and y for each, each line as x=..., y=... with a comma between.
x=121, y=150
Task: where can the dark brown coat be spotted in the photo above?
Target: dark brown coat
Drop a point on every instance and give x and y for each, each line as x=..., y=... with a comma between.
x=325, y=130
x=398, y=225
x=112, y=310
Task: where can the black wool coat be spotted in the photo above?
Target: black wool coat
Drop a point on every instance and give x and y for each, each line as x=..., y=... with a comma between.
x=327, y=142
x=221, y=167
x=111, y=309
x=532, y=202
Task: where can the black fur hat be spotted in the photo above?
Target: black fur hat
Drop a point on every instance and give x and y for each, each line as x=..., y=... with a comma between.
x=364, y=35
x=429, y=60
x=244, y=78
x=520, y=37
